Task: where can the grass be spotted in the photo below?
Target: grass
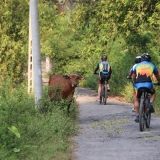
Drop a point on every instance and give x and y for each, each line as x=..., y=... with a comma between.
x=111, y=127
x=29, y=134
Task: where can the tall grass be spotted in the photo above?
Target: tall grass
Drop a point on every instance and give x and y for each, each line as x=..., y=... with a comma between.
x=26, y=133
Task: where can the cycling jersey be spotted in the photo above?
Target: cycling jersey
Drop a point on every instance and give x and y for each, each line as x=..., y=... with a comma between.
x=144, y=71
x=104, y=71
x=103, y=67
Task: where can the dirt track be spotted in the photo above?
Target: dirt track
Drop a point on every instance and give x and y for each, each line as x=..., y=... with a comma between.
x=108, y=132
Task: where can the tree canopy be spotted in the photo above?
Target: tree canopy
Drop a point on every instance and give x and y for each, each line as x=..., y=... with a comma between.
x=75, y=40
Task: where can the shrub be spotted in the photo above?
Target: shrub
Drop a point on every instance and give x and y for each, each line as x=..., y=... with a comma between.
x=26, y=133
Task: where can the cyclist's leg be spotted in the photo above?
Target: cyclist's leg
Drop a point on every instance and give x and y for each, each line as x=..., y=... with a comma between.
x=136, y=106
x=108, y=86
x=99, y=90
x=134, y=99
x=137, y=101
x=152, y=98
x=99, y=87
x=153, y=94
x=108, y=77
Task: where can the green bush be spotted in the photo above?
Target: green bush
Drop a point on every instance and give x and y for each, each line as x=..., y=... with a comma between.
x=26, y=133
x=91, y=81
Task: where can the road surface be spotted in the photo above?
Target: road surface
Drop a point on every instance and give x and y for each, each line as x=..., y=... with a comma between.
x=108, y=132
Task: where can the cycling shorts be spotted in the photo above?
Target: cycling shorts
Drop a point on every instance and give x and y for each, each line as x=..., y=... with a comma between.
x=103, y=77
x=147, y=85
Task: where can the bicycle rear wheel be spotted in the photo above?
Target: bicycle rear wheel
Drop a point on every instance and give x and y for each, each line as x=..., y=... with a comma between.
x=141, y=116
x=101, y=96
x=101, y=99
x=148, y=116
x=105, y=95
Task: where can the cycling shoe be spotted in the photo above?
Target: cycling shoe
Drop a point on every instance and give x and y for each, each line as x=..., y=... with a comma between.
x=137, y=119
x=152, y=109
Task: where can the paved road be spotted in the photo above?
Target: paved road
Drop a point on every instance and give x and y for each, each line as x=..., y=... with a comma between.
x=108, y=132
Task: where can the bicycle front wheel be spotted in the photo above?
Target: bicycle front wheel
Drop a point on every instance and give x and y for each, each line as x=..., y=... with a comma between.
x=141, y=116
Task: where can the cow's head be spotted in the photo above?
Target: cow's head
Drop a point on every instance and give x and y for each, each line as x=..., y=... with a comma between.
x=74, y=78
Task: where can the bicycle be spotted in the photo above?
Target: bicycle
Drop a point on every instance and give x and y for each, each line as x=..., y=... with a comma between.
x=104, y=93
x=145, y=107
x=144, y=110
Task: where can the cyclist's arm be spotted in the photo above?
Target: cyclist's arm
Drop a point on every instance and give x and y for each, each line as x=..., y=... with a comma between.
x=131, y=71
x=157, y=74
x=134, y=74
x=130, y=74
x=96, y=69
x=157, y=77
x=134, y=77
x=110, y=71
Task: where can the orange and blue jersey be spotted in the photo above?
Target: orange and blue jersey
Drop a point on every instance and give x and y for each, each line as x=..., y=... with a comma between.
x=144, y=71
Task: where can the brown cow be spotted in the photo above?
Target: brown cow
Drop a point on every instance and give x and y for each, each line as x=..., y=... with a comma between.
x=63, y=87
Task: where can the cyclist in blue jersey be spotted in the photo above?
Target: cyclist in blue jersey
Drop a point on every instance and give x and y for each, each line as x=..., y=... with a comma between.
x=104, y=69
x=137, y=60
x=142, y=77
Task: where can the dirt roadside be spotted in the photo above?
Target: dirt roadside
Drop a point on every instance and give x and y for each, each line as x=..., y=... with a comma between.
x=108, y=132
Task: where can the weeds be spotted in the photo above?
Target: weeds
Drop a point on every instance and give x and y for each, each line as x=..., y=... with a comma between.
x=26, y=133
x=111, y=127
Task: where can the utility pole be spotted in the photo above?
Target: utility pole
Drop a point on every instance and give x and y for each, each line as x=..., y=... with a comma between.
x=37, y=70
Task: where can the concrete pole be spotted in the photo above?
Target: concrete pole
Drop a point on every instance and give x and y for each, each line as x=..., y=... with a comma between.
x=37, y=70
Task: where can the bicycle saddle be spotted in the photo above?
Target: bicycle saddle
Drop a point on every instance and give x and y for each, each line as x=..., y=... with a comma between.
x=143, y=89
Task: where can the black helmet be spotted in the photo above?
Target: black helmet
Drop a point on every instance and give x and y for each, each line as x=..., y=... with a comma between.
x=146, y=57
x=138, y=59
x=104, y=57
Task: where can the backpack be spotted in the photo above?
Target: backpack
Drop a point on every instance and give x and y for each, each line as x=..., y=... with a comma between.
x=104, y=67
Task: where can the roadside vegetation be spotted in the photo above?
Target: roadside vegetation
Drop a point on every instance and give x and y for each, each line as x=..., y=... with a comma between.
x=27, y=133
x=74, y=40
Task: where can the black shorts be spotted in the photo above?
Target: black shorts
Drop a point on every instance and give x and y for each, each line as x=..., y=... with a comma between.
x=104, y=77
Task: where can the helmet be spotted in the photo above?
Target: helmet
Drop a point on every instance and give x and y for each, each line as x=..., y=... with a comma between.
x=138, y=59
x=146, y=57
x=104, y=57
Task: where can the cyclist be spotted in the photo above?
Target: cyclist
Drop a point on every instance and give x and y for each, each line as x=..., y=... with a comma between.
x=104, y=71
x=142, y=74
x=137, y=60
